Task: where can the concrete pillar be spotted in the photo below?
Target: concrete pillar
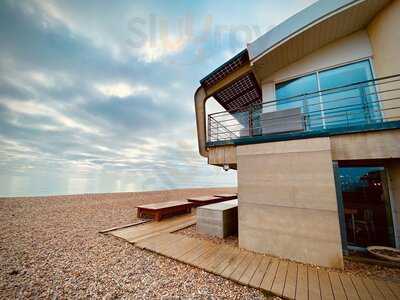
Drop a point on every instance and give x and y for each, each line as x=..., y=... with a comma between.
x=287, y=201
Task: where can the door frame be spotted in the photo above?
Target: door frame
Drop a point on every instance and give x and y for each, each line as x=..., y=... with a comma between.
x=340, y=203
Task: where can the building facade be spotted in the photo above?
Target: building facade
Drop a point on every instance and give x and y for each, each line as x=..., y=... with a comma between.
x=312, y=126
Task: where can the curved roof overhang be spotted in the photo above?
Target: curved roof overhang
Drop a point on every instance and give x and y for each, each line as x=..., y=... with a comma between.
x=312, y=28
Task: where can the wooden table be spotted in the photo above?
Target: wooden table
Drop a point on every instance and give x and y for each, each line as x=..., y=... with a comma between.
x=227, y=196
x=160, y=210
x=204, y=200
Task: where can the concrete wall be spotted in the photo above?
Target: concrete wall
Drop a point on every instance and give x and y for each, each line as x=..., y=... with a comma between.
x=288, y=205
x=353, y=47
x=384, y=35
x=222, y=155
x=394, y=187
x=366, y=145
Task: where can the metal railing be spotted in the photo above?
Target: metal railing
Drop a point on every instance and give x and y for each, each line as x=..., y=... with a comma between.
x=346, y=107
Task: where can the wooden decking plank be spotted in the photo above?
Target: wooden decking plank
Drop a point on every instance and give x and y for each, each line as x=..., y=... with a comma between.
x=170, y=249
x=395, y=288
x=225, y=254
x=314, y=291
x=217, y=258
x=134, y=233
x=173, y=240
x=226, y=261
x=248, y=274
x=197, y=252
x=152, y=226
x=280, y=278
x=360, y=288
x=203, y=258
x=337, y=287
x=152, y=241
x=192, y=246
x=269, y=276
x=385, y=290
x=234, y=264
x=289, y=290
x=349, y=289
x=138, y=222
x=185, y=245
x=372, y=289
x=154, y=246
x=213, y=256
x=242, y=267
x=258, y=275
x=325, y=285
x=165, y=230
x=302, y=282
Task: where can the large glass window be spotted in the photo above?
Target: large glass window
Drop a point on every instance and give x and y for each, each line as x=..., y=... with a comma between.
x=350, y=104
x=292, y=94
x=339, y=106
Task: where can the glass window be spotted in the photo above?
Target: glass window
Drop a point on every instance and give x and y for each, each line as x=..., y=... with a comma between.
x=339, y=106
x=286, y=93
x=348, y=105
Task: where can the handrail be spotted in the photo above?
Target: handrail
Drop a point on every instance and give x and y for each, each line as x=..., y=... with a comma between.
x=366, y=102
x=317, y=93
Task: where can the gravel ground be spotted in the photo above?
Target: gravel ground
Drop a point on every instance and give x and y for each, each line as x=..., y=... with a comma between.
x=50, y=248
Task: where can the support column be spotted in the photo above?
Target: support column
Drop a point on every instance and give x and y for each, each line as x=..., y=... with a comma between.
x=288, y=205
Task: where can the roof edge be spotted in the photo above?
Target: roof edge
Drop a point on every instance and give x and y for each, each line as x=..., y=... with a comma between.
x=304, y=18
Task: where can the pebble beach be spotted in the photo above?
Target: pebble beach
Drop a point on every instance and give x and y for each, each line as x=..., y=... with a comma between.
x=51, y=248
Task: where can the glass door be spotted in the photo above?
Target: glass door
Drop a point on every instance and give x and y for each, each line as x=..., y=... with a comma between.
x=351, y=105
x=290, y=94
x=367, y=210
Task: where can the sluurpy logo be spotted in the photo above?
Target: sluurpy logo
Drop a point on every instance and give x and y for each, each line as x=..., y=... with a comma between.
x=157, y=38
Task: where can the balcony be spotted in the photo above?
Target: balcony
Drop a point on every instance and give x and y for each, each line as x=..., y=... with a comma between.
x=363, y=106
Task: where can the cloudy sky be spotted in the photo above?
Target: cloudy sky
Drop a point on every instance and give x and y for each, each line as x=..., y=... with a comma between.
x=97, y=96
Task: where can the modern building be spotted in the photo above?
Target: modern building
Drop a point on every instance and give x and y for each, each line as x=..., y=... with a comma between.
x=312, y=126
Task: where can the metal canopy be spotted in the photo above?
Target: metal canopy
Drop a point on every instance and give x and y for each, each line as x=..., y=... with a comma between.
x=227, y=68
x=241, y=92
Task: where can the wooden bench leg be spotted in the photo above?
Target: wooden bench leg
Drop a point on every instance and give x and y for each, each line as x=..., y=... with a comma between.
x=139, y=214
x=157, y=216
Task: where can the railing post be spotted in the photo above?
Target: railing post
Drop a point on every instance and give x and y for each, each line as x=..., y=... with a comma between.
x=364, y=100
x=209, y=129
x=250, y=121
x=217, y=130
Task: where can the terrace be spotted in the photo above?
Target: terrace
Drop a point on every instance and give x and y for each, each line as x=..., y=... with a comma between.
x=368, y=105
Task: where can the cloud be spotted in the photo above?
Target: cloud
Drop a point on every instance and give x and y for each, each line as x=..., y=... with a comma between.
x=122, y=89
x=151, y=52
x=84, y=110
x=34, y=108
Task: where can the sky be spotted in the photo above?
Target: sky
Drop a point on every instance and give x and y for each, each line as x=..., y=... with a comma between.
x=97, y=96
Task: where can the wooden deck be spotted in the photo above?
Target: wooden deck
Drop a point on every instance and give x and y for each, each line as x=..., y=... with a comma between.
x=134, y=234
x=279, y=277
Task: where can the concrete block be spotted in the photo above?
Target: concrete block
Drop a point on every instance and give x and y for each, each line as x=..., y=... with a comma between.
x=219, y=219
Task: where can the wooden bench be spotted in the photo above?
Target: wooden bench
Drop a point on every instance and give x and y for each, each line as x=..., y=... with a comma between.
x=227, y=196
x=163, y=209
x=204, y=200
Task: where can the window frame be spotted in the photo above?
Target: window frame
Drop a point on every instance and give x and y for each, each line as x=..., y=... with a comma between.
x=318, y=71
